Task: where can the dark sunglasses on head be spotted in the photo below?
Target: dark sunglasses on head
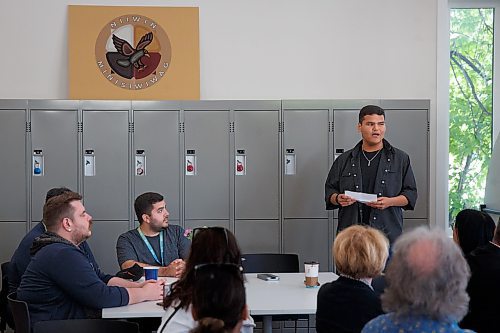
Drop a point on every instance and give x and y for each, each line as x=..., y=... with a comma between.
x=197, y=231
x=214, y=268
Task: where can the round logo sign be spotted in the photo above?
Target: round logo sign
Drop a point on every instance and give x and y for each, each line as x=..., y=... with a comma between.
x=133, y=52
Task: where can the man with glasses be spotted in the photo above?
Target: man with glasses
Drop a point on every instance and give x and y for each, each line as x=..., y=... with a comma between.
x=154, y=242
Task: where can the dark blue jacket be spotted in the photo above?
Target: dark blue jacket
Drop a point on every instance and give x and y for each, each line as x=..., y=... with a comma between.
x=61, y=282
x=21, y=257
x=394, y=177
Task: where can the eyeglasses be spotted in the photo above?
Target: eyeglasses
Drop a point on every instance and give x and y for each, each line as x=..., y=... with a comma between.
x=214, y=268
x=197, y=231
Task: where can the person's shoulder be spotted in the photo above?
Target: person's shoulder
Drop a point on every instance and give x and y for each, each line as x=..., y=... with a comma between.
x=31, y=235
x=394, y=150
x=58, y=252
x=130, y=235
x=177, y=320
x=174, y=229
x=375, y=323
x=326, y=287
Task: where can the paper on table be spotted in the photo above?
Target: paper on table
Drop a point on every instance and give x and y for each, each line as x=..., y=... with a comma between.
x=362, y=197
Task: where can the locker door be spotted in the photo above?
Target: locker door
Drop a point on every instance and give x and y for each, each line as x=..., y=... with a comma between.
x=256, y=150
x=53, y=134
x=305, y=143
x=13, y=203
x=345, y=132
x=407, y=130
x=156, y=145
x=106, y=180
x=13, y=156
x=207, y=187
x=105, y=144
x=308, y=238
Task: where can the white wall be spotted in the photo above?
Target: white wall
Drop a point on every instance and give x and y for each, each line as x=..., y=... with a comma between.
x=259, y=49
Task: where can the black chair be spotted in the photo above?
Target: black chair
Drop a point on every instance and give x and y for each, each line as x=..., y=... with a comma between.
x=85, y=326
x=274, y=263
x=20, y=313
x=270, y=263
x=5, y=313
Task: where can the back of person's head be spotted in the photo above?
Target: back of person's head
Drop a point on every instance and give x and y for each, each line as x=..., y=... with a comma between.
x=427, y=276
x=209, y=245
x=219, y=302
x=360, y=252
x=369, y=110
x=53, y=192
x=144, y=204
x=473, y=228
x=57, y=208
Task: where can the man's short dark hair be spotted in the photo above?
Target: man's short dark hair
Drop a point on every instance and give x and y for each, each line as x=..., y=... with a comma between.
x=369, y=110
x=57, y=208
x=144, y=204
x=55, y=192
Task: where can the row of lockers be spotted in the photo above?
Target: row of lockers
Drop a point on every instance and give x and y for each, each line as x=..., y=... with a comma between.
x=256, y=167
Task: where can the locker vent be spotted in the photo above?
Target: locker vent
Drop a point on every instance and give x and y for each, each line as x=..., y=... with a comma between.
x=330, y=126
x=28, y=127
x=281, y=126
x=181, y=127
x=80, y=127
x=131, y=127
x=428, y=127
x=231, y=127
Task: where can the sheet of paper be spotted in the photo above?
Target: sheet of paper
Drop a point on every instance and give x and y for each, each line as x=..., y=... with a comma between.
x=362, y=197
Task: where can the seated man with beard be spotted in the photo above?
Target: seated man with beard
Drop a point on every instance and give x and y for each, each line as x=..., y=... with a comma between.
x=154, y=242
x=60, y=281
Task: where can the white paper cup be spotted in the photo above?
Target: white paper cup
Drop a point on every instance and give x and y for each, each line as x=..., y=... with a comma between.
x=311, y=270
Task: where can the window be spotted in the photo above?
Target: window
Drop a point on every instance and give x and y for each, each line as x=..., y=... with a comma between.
x=471, y=105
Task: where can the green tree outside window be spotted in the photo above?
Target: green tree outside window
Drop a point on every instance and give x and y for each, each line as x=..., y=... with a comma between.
x=471, y=106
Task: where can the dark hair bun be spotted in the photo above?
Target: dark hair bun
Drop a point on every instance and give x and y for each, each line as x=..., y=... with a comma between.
x=209, y=324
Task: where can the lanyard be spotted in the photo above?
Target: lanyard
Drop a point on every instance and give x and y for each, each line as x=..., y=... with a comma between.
x=150, y=248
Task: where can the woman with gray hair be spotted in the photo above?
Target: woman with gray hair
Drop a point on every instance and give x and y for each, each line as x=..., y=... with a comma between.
x=427, y=280
x=347, y=304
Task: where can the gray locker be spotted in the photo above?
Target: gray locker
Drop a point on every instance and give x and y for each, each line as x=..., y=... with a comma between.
x=103, y=243
x=257, y=154
x=13, y=203
x=258, y=236
x=409, y=133
x=12, y=233
x=157, y=152
x=305, y=138
x=310, y=239
x=105, y=144
x=207, y=188
x=54, y=136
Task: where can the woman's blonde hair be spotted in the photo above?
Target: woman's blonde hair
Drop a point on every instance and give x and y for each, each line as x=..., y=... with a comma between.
x=360, y=252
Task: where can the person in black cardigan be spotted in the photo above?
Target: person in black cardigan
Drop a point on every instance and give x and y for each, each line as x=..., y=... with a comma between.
x=483, y=287
x=348, y=303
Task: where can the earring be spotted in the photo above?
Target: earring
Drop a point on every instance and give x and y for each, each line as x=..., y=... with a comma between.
x=69, y=229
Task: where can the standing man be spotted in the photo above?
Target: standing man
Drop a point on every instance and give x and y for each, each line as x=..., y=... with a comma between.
x=61, y=282
x=154, y=242
x=373, y=166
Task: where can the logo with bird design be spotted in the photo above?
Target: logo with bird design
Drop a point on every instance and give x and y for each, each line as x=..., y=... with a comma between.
x=133, y=52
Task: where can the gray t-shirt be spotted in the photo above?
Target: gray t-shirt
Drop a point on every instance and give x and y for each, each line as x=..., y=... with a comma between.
x=130, y=246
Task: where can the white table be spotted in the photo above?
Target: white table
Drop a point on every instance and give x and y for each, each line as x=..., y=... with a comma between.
x=265, y=298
